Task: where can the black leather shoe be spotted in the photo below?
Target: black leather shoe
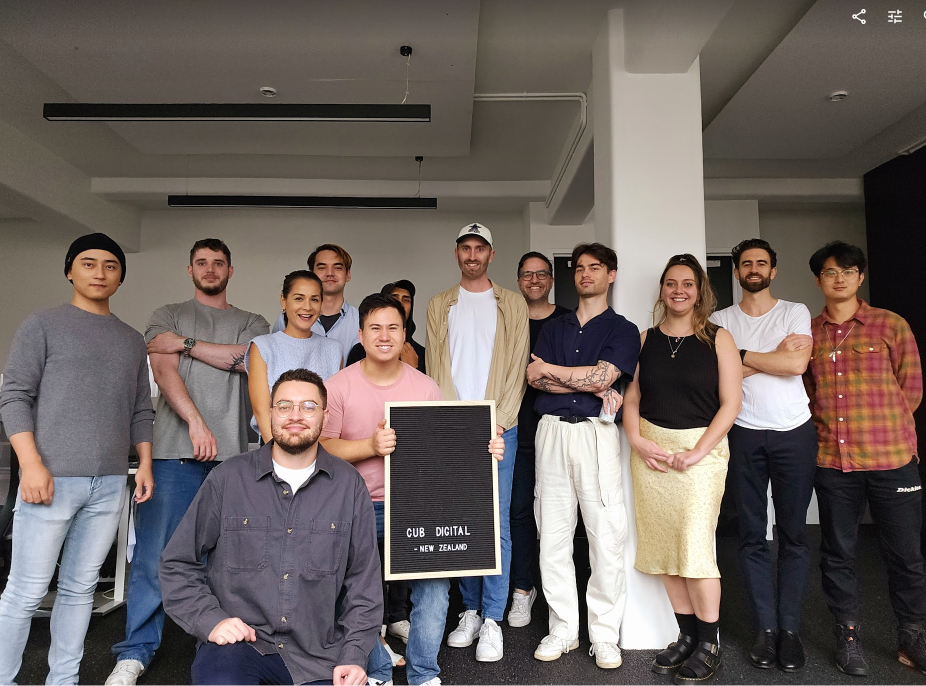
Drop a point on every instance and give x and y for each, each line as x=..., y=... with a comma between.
x=669, y=660
x=764, y=649
x=790, y=651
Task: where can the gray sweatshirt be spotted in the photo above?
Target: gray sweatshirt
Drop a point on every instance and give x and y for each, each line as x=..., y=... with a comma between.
x=79, y=382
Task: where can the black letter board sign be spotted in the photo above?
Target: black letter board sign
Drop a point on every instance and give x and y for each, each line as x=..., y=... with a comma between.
x=441, y=491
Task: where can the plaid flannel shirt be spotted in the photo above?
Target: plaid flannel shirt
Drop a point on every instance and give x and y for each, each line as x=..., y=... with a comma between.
x=863, y=390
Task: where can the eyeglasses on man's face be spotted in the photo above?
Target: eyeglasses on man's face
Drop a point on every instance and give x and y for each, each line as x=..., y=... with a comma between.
x=541, y=274
x=831, y=274
x=284, y=408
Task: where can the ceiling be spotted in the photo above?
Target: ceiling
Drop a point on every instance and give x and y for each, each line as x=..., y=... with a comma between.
x=766, y=71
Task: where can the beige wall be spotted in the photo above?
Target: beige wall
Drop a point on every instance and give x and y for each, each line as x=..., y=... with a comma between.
x=265, y=246
x=796, y=235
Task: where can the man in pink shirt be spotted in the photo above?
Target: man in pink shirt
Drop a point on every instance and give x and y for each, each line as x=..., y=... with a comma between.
x=356, y=432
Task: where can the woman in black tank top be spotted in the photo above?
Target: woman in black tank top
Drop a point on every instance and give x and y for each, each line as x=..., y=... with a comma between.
x=683, y=399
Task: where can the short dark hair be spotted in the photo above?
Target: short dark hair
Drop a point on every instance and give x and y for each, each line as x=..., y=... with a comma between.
x=407, y=285
x=305, y=376
x=753, y=244
x=291, y=279
x=342, y=254
x=538, y=255
x=845, y=254
x=379, y=301
x=213, y=244
x=599, y=251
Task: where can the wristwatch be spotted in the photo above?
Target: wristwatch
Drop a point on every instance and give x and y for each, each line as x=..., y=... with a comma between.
x=188, y=346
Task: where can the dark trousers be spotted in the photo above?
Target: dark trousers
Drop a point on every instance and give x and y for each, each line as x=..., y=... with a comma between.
x=396, y=594
x=237, y=663
x=788, y=460
x=894, y=499
x=523, y=524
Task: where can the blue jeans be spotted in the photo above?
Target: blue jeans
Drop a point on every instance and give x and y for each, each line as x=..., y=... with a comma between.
x=430, y=600
x=490, y=593
x=84, y=518
x=177, y=482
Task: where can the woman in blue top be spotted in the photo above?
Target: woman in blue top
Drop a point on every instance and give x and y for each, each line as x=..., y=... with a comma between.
x=292, y=348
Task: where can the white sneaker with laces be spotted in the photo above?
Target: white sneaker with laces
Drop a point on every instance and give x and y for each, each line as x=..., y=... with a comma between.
x=125, y=673
x=552, y=648
x=520, y=612
x=399, y=629
x=376, y=682
x=490, y=647
x=432, y=682
x=466, y=631
x=607, y=655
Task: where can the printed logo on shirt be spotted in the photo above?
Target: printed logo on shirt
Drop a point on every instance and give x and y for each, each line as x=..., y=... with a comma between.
x=909, y=489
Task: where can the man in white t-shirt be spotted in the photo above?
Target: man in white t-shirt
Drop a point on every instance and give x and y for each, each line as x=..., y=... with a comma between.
x=355, y=431
x=477, y=349
x=773, y=439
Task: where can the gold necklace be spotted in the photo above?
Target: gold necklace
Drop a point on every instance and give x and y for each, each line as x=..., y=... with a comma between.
x=679, y=339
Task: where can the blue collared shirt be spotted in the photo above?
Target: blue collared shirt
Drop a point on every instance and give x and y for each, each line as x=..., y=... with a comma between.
x=608, y=336
x=344, y=330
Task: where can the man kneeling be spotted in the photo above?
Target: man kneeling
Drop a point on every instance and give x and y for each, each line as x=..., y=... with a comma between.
x=285, y=530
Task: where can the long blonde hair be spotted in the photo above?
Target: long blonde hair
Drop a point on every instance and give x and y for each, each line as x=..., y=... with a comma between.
x=704, y=329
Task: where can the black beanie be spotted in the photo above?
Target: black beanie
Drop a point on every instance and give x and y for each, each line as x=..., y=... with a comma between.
x=94, y=241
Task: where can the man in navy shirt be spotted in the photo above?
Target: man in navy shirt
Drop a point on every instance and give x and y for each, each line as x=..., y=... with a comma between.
x=576, y=364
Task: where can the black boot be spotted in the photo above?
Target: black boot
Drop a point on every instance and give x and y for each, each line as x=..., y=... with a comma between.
x=765, y=649
x=849, y=658
x=670, y=659
x=911, y=646
x=790, y=651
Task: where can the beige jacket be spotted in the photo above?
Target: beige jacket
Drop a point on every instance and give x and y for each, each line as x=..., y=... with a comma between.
x=507, y=379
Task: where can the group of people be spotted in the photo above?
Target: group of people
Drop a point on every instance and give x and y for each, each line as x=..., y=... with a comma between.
x=272, y=558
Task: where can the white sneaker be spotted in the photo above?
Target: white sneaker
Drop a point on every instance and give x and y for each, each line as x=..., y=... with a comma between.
x=520, y=612
x=552, y=648
x=490, y=646
x=607, y=655
x=125, y=673
x=466, y=631
x=432, y=682
x=399, y=629
x=376, y=682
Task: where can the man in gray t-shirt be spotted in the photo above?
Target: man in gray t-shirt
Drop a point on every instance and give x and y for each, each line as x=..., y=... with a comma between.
x=197, y=353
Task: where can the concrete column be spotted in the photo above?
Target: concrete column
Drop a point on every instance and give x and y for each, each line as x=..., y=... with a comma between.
x=649, y=205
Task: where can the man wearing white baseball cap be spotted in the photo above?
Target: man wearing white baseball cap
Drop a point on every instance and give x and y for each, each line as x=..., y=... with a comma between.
x=477, y=348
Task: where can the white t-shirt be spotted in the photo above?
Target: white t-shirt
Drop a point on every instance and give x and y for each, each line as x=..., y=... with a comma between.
x=294, y=477
x=471, y=328
x=770, y=402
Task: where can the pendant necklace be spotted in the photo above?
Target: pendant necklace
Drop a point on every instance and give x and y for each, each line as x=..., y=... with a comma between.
x=835, y=348
x=678, y=339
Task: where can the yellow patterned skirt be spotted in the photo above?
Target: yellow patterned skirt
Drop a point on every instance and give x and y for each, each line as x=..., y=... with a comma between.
x=676, y=512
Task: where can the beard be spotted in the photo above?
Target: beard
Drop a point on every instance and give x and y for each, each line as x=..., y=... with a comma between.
x=298, y=443
x=755, y=286
x=211, y=290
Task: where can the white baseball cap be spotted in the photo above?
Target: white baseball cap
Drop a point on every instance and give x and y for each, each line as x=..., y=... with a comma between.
x=476, y=230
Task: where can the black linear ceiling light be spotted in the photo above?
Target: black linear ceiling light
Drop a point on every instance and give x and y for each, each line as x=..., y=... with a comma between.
x=78, y=111
x=303, y=201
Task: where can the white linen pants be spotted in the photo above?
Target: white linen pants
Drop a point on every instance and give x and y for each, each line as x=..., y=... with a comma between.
x=579, y=464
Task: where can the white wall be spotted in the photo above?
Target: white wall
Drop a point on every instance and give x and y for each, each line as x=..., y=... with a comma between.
x=265, y=245
x=796, y=235
x=727, y=222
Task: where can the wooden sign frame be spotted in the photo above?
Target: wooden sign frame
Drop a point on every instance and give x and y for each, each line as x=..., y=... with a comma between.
x=464, y=440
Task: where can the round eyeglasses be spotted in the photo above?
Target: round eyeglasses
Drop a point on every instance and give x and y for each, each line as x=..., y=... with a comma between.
x=284, y=408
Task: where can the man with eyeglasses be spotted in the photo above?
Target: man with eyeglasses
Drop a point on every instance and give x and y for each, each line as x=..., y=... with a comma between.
x=773, y=440
x=477, y=348
x=864, y=382
x=356, y=432
x=535, y=280
x=273, y=568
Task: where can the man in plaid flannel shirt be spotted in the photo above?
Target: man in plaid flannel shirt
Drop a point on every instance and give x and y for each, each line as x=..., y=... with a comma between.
x=864, y=381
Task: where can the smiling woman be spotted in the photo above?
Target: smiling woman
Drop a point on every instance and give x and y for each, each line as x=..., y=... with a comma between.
x=292, y=348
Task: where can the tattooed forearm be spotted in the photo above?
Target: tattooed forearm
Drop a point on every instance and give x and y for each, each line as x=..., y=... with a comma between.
x=237, y=363
x=595, y=378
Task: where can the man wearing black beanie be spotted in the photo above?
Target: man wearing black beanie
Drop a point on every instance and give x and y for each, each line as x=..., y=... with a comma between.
x=75, y=397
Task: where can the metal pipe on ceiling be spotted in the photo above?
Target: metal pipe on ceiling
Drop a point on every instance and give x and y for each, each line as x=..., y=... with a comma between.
x=540, y=97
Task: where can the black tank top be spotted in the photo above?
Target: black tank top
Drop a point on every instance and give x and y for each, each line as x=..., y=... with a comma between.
x=681, y=392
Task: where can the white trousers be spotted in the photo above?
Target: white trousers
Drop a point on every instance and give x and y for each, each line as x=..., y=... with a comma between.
x=579, y=464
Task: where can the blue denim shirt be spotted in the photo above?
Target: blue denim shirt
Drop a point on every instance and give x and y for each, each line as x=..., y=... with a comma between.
x=279, y=561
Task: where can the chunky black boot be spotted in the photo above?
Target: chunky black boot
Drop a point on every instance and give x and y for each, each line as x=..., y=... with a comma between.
x=670, y=659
